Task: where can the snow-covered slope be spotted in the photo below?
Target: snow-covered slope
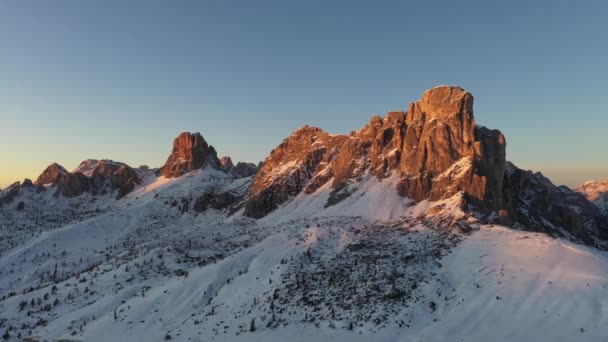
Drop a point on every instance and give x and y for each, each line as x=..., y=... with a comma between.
x=372, y=266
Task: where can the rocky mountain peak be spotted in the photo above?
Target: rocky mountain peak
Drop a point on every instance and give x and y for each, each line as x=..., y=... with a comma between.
x=226, y=163
x=51, y=175
x=425, y=146
x=445, y=101
x=92, y=176
x=240, y=170
x=190, y=152
x=596, y=192
x=593, y=190
x=441, y=132
x=436, y=151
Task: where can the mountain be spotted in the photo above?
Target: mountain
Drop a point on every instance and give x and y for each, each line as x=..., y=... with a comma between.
x=596, y=192
x=415, y=228
x=95, y=177
x=241, y=169
x=541, y=206
x=436, y=151
x=52, y=175
x=190, y=152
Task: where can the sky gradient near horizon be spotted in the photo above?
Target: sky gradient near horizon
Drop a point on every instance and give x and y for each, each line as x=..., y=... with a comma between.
x=120, y=79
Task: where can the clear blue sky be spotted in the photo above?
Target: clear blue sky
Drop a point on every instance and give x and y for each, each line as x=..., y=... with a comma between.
x=120, y=79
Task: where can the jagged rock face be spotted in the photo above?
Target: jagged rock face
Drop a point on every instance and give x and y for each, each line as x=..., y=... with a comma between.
x=536, y=204
x=92, y=176
x=442, y=141
x=87, y=166
x=290, y=168
x=105, y=169
x=226, y=163
x=124, y=179
x=74, y=184
x=27, y=183
x=190, y=152
x=596, y=192
x=217, y=201
x=10, y=193
x=437, y=151
x=435, y=147
x=117, y=175
x=242, y=170
x=51, y=175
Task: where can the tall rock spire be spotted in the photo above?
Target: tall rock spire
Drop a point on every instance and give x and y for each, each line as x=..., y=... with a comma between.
x=190, y=152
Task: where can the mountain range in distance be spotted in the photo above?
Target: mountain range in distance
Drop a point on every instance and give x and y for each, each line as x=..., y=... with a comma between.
x=403, y=230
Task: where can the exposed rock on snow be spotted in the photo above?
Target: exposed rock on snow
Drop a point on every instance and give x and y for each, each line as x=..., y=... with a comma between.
x=421, y=145
x=8, y=195
x=226, y=163
x=386, y=234
x=190, y=152
x=51, y=175
x=437, y=151
x=241, y=170
x=539, y=205
x=94, y=176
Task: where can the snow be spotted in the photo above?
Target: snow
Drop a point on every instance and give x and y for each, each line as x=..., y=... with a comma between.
x=393, y=269
x=549, y=290
x=373, y=199
x=458, y=169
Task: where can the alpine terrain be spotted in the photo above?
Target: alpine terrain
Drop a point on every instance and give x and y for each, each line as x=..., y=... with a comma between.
x=414, y=228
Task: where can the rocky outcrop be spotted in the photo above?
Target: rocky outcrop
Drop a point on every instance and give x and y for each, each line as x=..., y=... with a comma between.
x=14, y=190
x=51, y=175
x=27, y=183
x=436, y=151
x=10, y=193
x=74, y=184
x=441, y=135
x=435, y=147
x=217, y=201
x=114, y=175
x=124, y=180
x=226, y=163
x=534, y=203
x=290, y=169
x=240, y=170
x=190, y=152
x=97, y=177
x=596, y=192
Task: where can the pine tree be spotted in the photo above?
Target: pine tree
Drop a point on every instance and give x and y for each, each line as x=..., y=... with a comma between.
x=252, y=325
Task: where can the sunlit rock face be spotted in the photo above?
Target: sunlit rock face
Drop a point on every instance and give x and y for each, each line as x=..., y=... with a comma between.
x=444, y=152
x=226, y=163
x=435, y=147
x=93, y=176
x=190, y=152
x=437, y=151
x=51, y=175
x=596, y=192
